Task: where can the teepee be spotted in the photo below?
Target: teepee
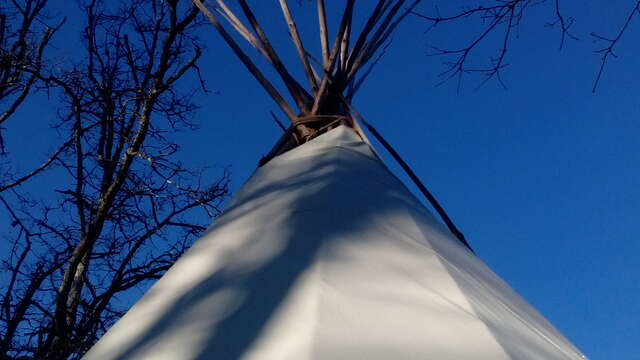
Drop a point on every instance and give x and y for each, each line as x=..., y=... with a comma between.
x=324, y=253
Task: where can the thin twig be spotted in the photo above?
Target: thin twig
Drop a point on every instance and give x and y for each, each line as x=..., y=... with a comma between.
x=612, y=43
x=503, y=17
x=565, y=24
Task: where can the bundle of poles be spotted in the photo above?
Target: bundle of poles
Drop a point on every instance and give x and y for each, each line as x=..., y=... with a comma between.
x=332, y=80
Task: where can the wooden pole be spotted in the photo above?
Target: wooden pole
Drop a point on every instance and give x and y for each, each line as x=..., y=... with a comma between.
x=379, y=10
x=275, y=95
x=423, y=189
x=324, y=33
x=280, y=124
x=323, y=91
x=365, y=53
x=241, y=28
x=301, y=97
x=392, y=27
x=302, y=54
x=344, y=46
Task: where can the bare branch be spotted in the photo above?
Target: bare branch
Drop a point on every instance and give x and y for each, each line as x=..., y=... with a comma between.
x=612, y=42
x=53, y=157
x=565, y=25
x=503, y=17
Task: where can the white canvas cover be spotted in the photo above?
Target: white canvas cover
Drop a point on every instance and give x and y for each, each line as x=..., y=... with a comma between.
x=324, y=254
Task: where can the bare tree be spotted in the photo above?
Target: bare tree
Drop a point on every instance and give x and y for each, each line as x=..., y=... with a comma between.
x=122, y=210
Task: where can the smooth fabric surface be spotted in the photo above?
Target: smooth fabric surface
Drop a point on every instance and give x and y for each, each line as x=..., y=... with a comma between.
x=324, y=254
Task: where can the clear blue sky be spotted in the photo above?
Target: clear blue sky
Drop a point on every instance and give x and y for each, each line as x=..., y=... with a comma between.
x=541, y=177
